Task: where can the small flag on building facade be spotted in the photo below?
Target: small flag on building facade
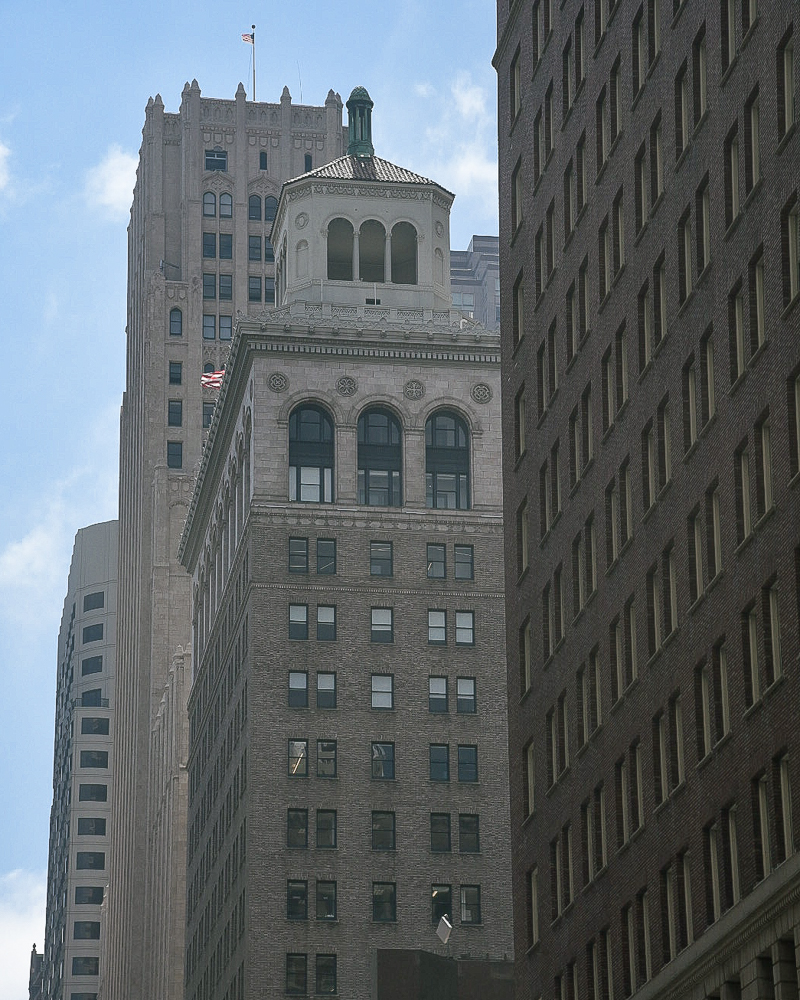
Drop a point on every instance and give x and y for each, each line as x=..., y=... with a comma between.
x=212, y=380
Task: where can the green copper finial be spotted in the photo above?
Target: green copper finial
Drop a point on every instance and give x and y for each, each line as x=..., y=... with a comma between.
x=359, y=112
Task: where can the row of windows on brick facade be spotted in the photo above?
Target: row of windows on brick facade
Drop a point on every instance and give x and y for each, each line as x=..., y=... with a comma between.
x=383, y=830
x=384, y=894
x=381, y=625
x=772, y=843
x=382, y=694
x=381, y=558
x=383, y=760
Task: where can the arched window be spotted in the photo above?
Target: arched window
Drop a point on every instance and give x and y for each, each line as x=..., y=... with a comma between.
x=262, y=160
x=209, y=204
x=380, y=459
x=340, y=250
x=404, y=254
x=207, y=367
x=302, y=259
x=225, y=206
x=270, y=208
x=175, y=323
x=310, y=455
x=446, y=462
x=371, y=251
x=254, y=208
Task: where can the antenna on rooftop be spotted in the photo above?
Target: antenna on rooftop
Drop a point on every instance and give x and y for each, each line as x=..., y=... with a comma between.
x=301, y=81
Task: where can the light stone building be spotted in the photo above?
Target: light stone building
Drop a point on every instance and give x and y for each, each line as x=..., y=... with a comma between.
x=347, y=759
x=83, y=771
x=199, y=253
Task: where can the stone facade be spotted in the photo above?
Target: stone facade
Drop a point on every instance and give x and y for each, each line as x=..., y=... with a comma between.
x=314, y=721
x=83, y=770
x=648, y=229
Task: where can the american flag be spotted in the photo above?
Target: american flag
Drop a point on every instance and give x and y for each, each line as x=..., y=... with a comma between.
x=212, y=380
x=248, y=38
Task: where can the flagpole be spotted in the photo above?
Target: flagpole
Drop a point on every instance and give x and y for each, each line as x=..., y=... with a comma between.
x=254, y=62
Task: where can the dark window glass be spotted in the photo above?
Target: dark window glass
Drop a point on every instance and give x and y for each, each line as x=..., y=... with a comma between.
x=174, y=454
x=91, y=602
x=465, y=687
x=86, y=930
x=382, y=625
x=297, y=900
x=380, y=459
x=225, y=206
x=209, y=244
x=209, y=326
x=91, y=698
x=270, y=208
x=326, y=623
x=209, y=286
x=326, y=975
x=254, y=248
x=93, y=633
x=269, y=290
x=441, y=903
x=91, y=665
x=470, y=904
x=384, y=901
x=326, y=900
x=380, y=559
x=226, y=246
x=467, y=763
x=91, y=826
x=262, y=160
x=310, y=455
x=225, y=287
x=436, y=562
x=298, y=758
x=326, y=758
x=464, y=562
x=326, y=828
x=297, y=827
x=209, y=204
x=94, y=727
x=468, y=833
x=440, y=831
x=88, y=894
x=383, y=760
x=83, y=965
x=383, y=831
x=208, y=414
x=90, y=860
x=254, y=208
x=94, y=758
x=175, y=373
x=326, y=556
x=216, y=159
x=439, y=762
x=176, y=323
x=296, y=977
x=298, y=555
x=269, y=253
x=298, y=621
x=174, y=413
x=446, y=462
x=326, y=690
x=308, y=162
x=225, y=327
x=298, y=689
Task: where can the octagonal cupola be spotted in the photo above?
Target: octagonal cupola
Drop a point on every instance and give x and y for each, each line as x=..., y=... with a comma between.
x=359, y=112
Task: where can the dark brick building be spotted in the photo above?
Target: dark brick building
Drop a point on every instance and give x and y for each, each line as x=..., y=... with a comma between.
x=649, y=176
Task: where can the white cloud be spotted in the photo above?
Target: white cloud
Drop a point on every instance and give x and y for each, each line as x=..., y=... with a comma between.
x=470, y=99
x=5, y=172
x=424, y=90
x=109, y=185
x=22, y=915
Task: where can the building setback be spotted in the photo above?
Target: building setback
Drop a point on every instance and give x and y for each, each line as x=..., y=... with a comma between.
x=347, y=713
x=83, y=771
x=199, y=254
x=475, y=279
x=651, y=395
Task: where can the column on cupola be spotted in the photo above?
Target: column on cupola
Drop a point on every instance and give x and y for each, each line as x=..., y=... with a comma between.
x=387, y=257
x=356, y=256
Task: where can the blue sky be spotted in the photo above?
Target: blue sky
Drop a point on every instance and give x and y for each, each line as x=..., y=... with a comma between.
x=74, y=81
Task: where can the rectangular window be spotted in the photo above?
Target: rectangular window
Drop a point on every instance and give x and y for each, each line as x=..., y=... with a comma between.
x=383, y=831
x=326, y=690
x=254, y=248
x=326, y=556
x=210, y=245
x=298, y=689
x=88, y=894
x=681, y=111
x=326, y=910
x=773, y=661
x=298, y=758
x=790, y=249
x=384, y=902
x=743, y=511
x=91, y=602
x=604, y=259
x=91, y=665
x=326, y=828
x=382, y=628
x=464, y=562
x=700, y=73
x=515, y=86
x=752, y=151
x=441, y=903
x=439, y=762
x=437, y=694
x=785, y=78
x=94, y=727
x=516, y=196
x=90, y=860
x=518, y=316
x=93, y=633
x=468, y=833
x=382, y=691
x=465, y=628
x=298, y=555
x=298, y=621
x=757, y=305
x=296, y=973
x=380, y=559
x=297, y=900
x=641, y=207
x=761, y=827
x=208, y=413
x=659, y=301
x=732, y=201
x=225, y=246
x=533, y=906
x=326, y=623
x=89, y=826
x=695, y=550
x=467, y=763
x=638, y=55
x=435, y=556
x=738, y=357
x=685, y=257
x=253, y=288
x=209, y=327
x=602, y=129
x=703, y=215
x=656, y=160
x=175, y=373
x=383, y=761
x=470, y=904
x=440, y=832
x=216, y=159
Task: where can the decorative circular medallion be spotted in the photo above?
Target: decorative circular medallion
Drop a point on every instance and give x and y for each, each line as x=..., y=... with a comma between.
x=278, y=381
x=302, y=220
x=346, y=385
x=414, y=389
x=481, y=392
x=439, y=229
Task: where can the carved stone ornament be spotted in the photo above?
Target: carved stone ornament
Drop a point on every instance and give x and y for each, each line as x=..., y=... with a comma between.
x=414, y=389
x=346, y=385
x=278, y=381
x=439, y=229
x=302, y=220
x=481, y=392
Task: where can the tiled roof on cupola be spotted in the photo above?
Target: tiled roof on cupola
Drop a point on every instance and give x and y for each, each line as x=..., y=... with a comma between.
x=367, y=168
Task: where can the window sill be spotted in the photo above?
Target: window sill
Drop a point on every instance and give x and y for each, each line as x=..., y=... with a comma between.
x=737, y=381
x=712, y=583
x=749, y=33
x=696, y=603
x=700, y=123
x=654, y=657
x=751, y=709
x=640, y=233
x=607, y=433
x=520, y=459
x=691, y=450
x=702, y=277
x=661, y=805
x=751, y=194
x=532, y=948
x=663, y=491
x=757, y=353
x=744, y=543
x=786, y=139
x=676, y=791
x=517, y=346
x=659, y=346
x=795, y=480
x=732, y=226
x=681, y=158
x=604, y=302
x=706, y=428
x=585, y=470
x=764, y=518
x=684, y=306
x=517, y=230
x=722, y=741
x=729, y=70
x=774, y=686
x=612, y=565
x=602, y=170
x=638, y=96
x=792, y=303
x=677, y=15
x=575, y=486
x=645, y=371
x=618, y=276
x=653, y=64
x=670, y=638
x=648, y=513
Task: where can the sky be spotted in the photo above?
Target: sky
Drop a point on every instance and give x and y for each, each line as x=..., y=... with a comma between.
x=74, y=81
